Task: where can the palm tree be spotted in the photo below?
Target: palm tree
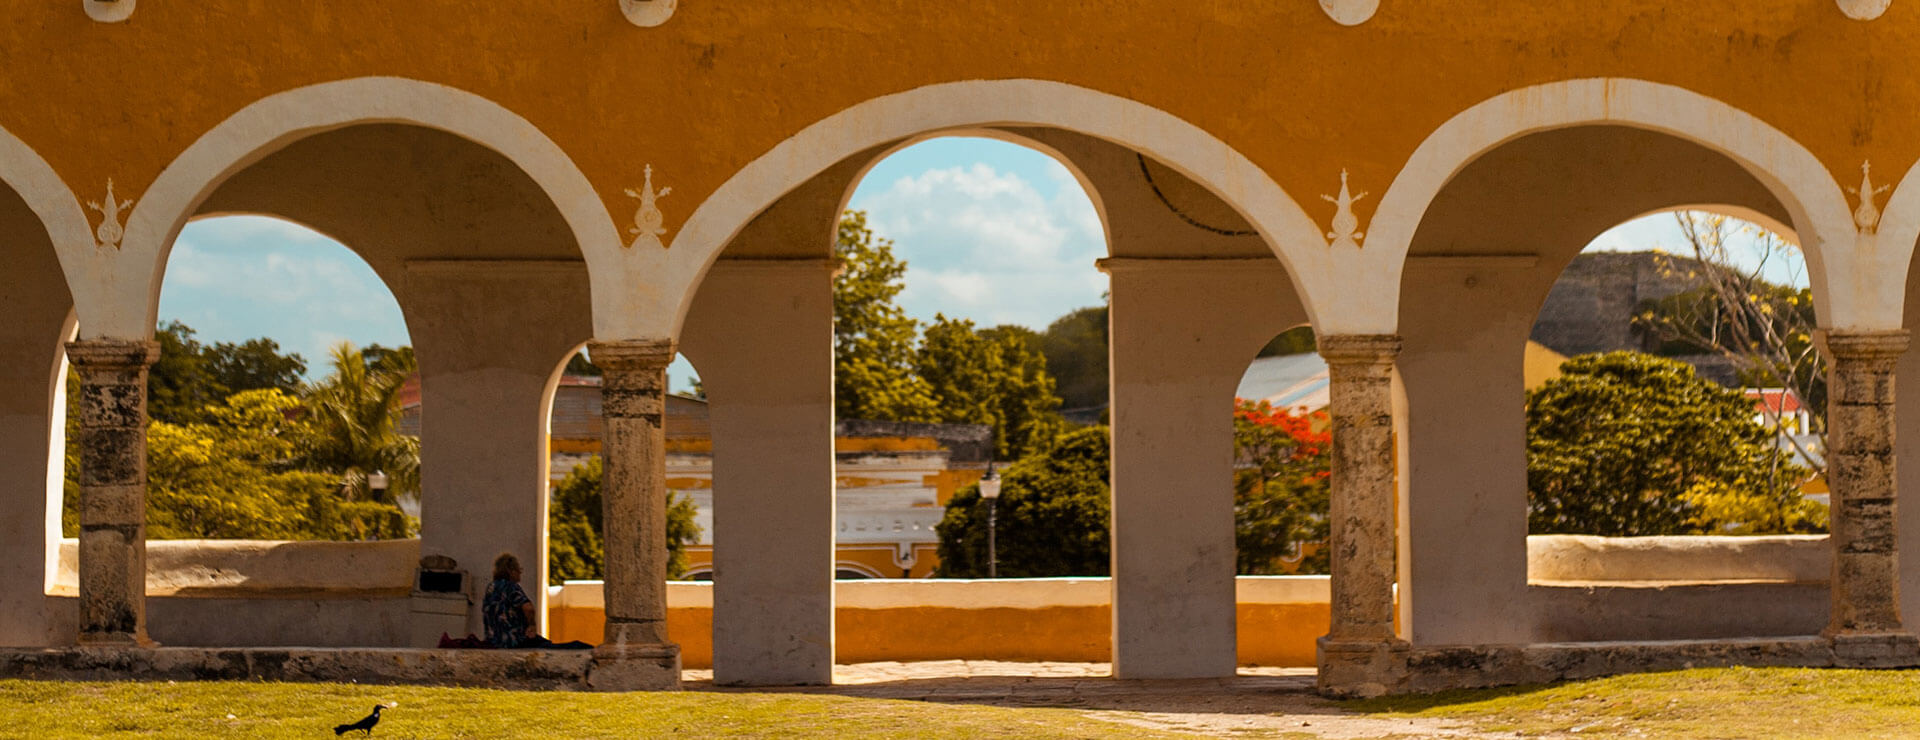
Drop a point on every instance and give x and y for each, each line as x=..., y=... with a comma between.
x=352, y=424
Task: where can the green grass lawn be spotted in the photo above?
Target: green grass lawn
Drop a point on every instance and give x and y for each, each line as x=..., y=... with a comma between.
x=1707, y=703
x=1702, y=703
x=51, y=710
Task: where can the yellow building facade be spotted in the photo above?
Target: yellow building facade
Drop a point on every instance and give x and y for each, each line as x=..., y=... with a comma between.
x=650, y=177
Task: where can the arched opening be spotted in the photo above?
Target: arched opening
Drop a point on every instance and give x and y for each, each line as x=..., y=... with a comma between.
x=1170, y=242
x=488, y=276
x=1484, y=259
x=576, y=436
x=960, y=254
x=34, y=297
x=1281, y=448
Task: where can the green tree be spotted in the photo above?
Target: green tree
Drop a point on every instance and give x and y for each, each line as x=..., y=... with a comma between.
x=1052, y=519
x=253, y=365
x=578, y=364
x=1280, y=491
x=1293, y=341
x=576, y=549
x=228, y=477
x=352, y=427
x=1076, y=350
x=181, y=383
x=997, y=376
x=873, y=339
x=190, y=377
x=1628, y=444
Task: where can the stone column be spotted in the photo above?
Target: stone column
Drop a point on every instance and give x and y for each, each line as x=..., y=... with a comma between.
x=1865, y=625
x=113, y=488
x=635, y=653
x=1361, y=655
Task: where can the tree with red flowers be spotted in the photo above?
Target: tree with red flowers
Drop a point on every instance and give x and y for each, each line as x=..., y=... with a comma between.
x=1280, y=491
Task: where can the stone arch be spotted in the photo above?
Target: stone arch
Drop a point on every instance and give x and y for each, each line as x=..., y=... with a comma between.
x=1899, y=227
x=622, y=311
x=109, y=308
x=33, y=198
x=35, y=181
x=1845, y=288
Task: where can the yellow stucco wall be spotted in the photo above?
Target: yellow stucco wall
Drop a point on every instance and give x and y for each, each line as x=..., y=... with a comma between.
x=1299, y=95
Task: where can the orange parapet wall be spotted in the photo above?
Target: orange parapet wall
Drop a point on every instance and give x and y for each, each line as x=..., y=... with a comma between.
x=1009, y=619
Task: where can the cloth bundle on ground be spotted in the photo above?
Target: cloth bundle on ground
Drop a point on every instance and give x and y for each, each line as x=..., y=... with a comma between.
x=473, y=642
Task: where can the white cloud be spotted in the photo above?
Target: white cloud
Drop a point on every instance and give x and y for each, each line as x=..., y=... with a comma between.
x=236, y=278
x=990, y=245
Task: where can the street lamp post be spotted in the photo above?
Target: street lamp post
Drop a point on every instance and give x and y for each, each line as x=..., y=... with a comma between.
x=990, y=490
x=377, y=485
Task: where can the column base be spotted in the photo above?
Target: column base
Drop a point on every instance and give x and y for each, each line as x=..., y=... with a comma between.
x=633, y=667
x=115, y=639
x=1894, y=649
x=1360, y=669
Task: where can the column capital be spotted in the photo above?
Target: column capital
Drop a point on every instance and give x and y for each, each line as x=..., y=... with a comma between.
x=113, y=353
x=1884, y=344
x=1359, y=349
x=632, y=355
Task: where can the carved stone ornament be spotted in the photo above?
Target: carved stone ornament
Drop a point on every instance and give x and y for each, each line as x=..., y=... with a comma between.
x=649, y=224
x=1356, y=12
x=1867, y=216
x=110, y=231
x=1346, y=226
x=648, y=13
x=108, y=11
x=1863, y=10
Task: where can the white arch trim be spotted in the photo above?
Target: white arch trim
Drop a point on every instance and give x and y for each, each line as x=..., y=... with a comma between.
x=1849, y=276
x=123, y=295
x=1900, y=227
x=860, y=568
x=48, y=196
x=651, y=295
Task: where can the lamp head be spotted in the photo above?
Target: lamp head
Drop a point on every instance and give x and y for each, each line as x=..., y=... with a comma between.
x=990, y=484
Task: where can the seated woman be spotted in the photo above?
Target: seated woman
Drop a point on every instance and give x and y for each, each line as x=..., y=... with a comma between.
x=509, y=614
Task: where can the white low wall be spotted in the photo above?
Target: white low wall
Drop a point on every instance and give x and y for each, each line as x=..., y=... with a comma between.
x=265, y=567
x=323, y=594
x=228, y=593
x=1582, y=558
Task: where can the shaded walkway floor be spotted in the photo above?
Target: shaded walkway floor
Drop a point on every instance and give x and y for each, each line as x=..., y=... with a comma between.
x=1258, y=701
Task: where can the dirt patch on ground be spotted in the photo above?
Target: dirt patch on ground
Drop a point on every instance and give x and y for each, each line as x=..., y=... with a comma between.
x=1260, y=702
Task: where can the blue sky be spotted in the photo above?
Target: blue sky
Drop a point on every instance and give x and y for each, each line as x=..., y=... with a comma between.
x=990, y=231
x=234, y=278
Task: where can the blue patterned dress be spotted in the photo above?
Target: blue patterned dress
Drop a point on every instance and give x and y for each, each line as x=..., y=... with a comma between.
x=506, y=623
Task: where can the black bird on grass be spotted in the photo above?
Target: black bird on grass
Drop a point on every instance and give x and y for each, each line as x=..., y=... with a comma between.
x=366, y=724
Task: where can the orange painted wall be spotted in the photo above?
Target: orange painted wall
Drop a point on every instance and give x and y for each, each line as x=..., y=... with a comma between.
x=1270, y=634
x=1300, y=95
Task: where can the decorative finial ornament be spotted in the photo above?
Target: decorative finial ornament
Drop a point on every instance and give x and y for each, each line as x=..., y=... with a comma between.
x=648, y=13
x=110, y=231
x=108, y=11
x=1351, y=12
x=1863, y=10
x=648, y=223
x=1867, y=216
x=1346, y=226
